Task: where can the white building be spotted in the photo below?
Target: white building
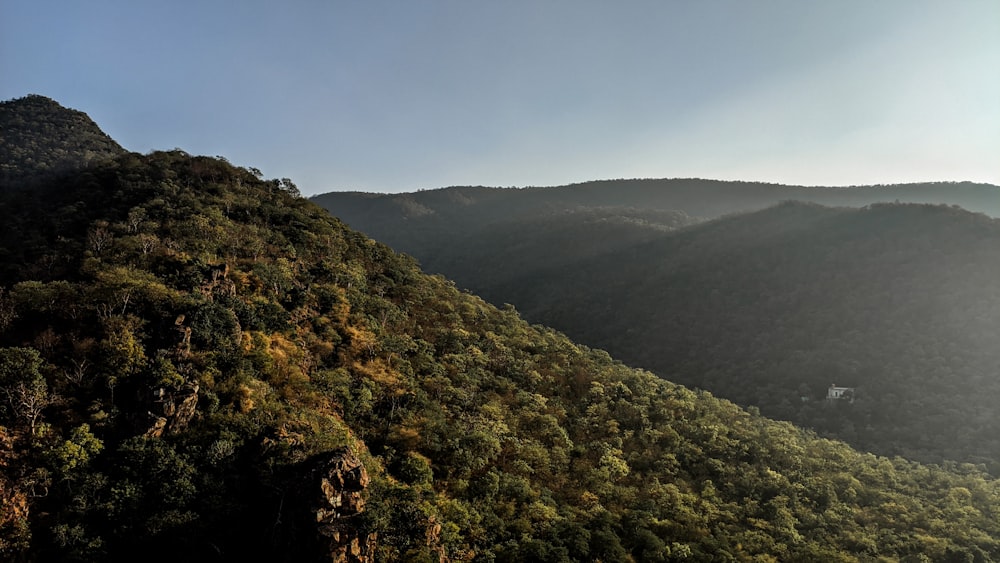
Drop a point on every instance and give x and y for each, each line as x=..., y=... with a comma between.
x=835, y=392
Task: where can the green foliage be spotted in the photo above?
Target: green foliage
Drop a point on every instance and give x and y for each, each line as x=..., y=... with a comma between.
x=41, y=139
x=766, y=309
x=23, y=390
x=284, y=335
x=415, y=469
x=74, y=454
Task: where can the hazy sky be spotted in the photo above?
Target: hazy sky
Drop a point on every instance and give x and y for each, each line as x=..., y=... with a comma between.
x=404, y=95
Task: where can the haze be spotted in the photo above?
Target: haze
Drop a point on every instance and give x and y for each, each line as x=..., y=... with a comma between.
x=398, y=96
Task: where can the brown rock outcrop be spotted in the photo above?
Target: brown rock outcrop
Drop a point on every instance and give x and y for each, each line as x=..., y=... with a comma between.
x=172, y=410
x=338, y=482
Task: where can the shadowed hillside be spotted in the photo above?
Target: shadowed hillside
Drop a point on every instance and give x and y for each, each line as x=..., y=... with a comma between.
x=766, y=309
x=771, y=308
x=40, y=139
x=426, y=224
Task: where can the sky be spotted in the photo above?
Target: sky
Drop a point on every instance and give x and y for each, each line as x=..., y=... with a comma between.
x=394, y=96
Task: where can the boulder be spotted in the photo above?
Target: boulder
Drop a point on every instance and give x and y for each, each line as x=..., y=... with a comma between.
x=338, y=481
x=171, y=410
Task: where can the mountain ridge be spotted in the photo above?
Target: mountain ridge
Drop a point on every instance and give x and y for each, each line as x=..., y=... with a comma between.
x=695, y=196
x=428, y=224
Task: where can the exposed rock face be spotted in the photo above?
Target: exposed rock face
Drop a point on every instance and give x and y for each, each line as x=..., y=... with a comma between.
x=338, y=482
x=172, y=410
x=434, y=541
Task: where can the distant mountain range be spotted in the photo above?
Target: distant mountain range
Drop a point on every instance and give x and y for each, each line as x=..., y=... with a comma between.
x=418, y=222
x=767, y=308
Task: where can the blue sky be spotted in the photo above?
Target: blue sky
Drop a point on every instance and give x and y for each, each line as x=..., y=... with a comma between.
x=402, y=95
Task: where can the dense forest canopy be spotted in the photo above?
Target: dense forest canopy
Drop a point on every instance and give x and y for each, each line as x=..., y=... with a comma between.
x=190, y=354
x=40, y=139
x=768, y=308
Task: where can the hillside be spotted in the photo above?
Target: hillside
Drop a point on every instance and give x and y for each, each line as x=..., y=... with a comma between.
x=426, y=224
x=197, y=365
x=770, y=308
x=518, y=247
x=39, y=139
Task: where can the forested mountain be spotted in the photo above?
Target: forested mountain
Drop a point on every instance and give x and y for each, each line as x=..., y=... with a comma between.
x=39, y=139
x=771, y=308
x=197, y=365
x=695, y=197
x=517, y=247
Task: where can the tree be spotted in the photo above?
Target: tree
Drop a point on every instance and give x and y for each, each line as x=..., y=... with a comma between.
x=24, y=389
x=288, y=186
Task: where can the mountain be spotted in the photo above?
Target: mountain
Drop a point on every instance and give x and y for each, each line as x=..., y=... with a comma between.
x=696, y=197
x=485, y=238
x=41, y=139
x=538, y=243
x=197, y=365
x=426, y=224
x=770, y=308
